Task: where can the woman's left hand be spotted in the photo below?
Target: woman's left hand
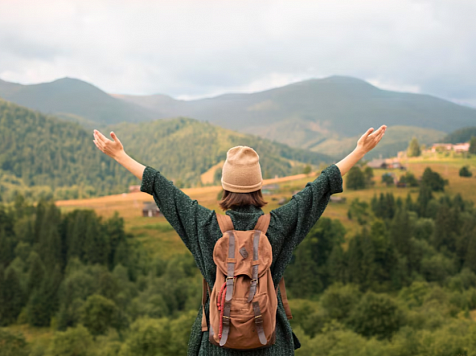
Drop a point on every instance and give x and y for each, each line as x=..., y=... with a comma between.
x=113, y=149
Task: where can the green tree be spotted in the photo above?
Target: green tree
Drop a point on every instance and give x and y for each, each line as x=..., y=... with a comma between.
x=465, y=172
x=360, y=211
x=355, y=179
x=472, y=145
x=12, y=297
x=414, y=148
x=148, y=337
x=13, y=344
x=409, y=179
x=98, y=314
x=307, y=169
x=369, y=174
x=433, y=180
x=72, y=342
x=339, y=300
x=376, y=315
x=387, y=178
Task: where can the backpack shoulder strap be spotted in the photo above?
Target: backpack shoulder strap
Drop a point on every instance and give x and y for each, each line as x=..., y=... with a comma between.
x=225, y=223
x=263, y=223
x=284, y=299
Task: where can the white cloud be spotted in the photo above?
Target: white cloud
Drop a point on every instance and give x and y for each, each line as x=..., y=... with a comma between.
x=193, y=49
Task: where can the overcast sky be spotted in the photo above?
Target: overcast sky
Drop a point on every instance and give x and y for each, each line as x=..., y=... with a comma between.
x=199, y=48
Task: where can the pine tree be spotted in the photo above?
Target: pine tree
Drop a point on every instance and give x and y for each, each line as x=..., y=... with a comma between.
x=13, y=297
x=413, y=148
x=424, y=197
x=447, y=226
x=36, y=272
x=472, y=145
x=355, y=179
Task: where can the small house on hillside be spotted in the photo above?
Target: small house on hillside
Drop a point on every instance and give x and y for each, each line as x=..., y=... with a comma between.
x=461, y=147
x=134, y=188
x=150, y=209
x=335, y=199
x=269, y=189
x=377, y=163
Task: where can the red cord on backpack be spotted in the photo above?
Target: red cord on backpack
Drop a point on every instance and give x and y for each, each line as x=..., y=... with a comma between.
x=221, y=307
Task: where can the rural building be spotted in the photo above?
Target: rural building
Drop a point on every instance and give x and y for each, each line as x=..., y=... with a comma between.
x=377, y=163
x=269, y=189
x=457, y=147
x=461, y=147
x=134, y=188
x=150, y=209
x=335, y=199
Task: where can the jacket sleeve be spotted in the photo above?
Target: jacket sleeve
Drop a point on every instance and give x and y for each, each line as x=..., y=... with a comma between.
x=185, y=215
x=292, y=221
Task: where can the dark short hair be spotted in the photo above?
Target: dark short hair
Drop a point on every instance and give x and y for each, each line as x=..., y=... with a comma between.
x=231, y=200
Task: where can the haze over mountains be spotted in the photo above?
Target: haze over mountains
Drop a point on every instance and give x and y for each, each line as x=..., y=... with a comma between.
x=322, y=115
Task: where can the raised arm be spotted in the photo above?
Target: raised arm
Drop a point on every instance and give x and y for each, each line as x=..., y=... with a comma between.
x=115, y=149
x=184, y=214
x=366, y=142
x=294, y=219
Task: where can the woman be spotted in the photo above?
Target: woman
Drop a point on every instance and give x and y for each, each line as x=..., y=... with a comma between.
x=198, y=227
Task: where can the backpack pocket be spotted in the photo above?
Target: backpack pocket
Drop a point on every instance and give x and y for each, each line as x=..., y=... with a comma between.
x=243, y=332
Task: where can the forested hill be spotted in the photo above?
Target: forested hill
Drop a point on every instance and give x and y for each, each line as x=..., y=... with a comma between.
x=50, y=153
x=185, y=148
x=61, y=158
x=461, y=135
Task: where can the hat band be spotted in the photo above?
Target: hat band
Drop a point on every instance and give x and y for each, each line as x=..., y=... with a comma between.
x=240, y=188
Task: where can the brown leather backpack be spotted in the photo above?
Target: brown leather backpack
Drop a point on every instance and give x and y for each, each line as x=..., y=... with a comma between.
x=243, y=302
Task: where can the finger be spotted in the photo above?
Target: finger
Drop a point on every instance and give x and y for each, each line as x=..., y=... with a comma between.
x=101, y=137
x=97, y=145
x=368, y=132
x=115, y=138
x=378, y=132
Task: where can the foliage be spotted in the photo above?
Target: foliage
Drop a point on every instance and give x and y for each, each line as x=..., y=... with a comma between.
x=402, y=283
x=355, y=179
x=465, y=172
x=472, y=145
x=433, y=180
x=409, y=179
x=460, y=135
x=413, y=148
x=388, y=179
x=359, y=210
x=376, y=315
x=12, y=344
x=37, y=162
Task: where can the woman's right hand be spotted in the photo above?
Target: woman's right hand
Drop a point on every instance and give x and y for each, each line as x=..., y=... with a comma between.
x=113, y=149
x=370, y=139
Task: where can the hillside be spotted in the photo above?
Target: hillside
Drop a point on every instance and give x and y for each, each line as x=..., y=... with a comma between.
x=74, y=100
x=184, y=148
x=461, y=135
x=44, y=151
x=317, y=110
x=60, y=157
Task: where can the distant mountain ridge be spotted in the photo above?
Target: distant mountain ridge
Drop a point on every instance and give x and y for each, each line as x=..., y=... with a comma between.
x=75, y=100
x=321, y=115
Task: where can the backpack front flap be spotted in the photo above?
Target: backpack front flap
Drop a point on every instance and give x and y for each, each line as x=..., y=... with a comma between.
x=243, y=301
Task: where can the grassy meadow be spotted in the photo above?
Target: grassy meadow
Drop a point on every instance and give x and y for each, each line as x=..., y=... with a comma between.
x=159, y=237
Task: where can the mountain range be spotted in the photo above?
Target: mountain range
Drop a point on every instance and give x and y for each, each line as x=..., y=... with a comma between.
x=321, y=115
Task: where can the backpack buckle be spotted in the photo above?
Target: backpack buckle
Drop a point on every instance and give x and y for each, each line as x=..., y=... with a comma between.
x=259, y=319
